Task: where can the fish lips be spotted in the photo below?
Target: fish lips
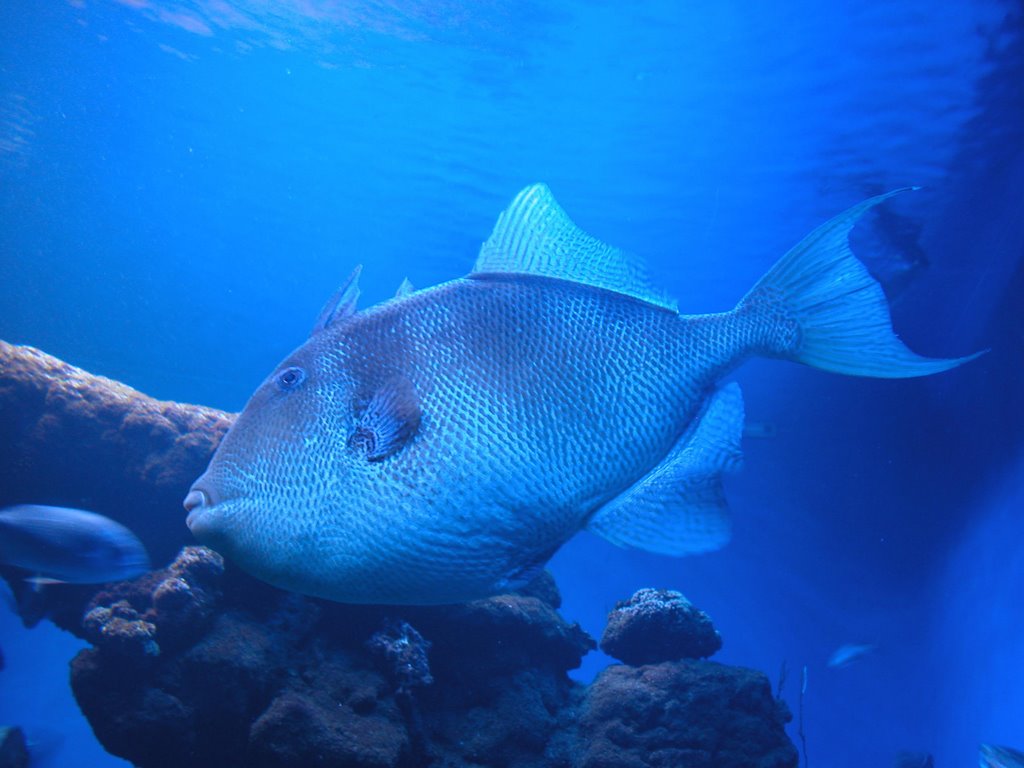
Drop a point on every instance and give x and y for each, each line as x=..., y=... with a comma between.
x=199, y=505
x=210, y=517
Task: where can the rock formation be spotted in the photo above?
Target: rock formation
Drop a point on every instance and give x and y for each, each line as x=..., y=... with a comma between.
x=69, y=438
x=658, y=625
x=198, y=664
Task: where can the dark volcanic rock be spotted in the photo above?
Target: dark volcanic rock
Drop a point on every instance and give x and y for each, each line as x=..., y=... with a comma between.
x=684, y=714
x=119, y=628
x=248, y=675
x=502, y=632
x=130, y=716
x=311, y=727
x=658, y=625
x=402, y=651
x=164, y=608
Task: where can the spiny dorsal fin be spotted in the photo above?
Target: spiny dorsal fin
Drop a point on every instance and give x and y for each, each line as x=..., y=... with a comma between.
x=342, y=304
x=534, y=236
x=404, y=289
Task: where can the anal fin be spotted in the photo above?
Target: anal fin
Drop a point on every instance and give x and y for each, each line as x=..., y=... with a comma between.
x=679, y=507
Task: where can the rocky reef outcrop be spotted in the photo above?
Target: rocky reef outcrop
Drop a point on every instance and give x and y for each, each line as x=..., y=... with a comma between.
x=70, y=438
x=667, y=706
x=697, y=714
x=198, y=664
x=232, y=672
x=659, y=625
x=260, y=677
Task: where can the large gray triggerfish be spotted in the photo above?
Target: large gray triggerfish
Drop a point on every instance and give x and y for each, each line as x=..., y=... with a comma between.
x=442, y=445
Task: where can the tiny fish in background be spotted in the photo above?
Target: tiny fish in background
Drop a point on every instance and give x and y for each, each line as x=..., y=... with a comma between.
x=847, y=654
x=441, y=446
x=914, y=760
x=1000, y=757
x=59, y=544
x=760, y=429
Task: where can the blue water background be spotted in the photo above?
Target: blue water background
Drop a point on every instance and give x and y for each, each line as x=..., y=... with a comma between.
x=183, y=184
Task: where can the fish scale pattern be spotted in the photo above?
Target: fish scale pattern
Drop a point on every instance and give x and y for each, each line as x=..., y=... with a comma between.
x=496, y=415
x=540, y=401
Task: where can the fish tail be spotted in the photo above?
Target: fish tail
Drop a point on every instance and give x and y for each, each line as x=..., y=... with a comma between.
x=819, y=306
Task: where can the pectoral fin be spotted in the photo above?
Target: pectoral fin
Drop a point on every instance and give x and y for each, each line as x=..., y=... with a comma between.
x=679, y=507
x=388, y=421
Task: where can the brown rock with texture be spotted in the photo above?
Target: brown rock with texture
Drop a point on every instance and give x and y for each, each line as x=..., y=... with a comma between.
x=70, y=438
x=684, y=714
x=345, y=719
x=658, y=625
x=269, y=678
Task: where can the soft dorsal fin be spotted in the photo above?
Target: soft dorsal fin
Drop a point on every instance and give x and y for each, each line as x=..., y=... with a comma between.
x=534, y=236
x=404, y=289
x=342, y=303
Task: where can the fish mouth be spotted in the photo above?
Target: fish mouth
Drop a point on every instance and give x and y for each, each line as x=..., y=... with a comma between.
x=196, y=498
x=209, y=515
x=198, y=503
x=194, y=504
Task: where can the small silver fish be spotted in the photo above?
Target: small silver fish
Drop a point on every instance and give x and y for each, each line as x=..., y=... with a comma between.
x=58, y=544
x=441, y=446
x=847, y=654
x=1000, y=757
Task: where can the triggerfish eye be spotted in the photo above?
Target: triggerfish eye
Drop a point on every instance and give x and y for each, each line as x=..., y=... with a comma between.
x=290, y=378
